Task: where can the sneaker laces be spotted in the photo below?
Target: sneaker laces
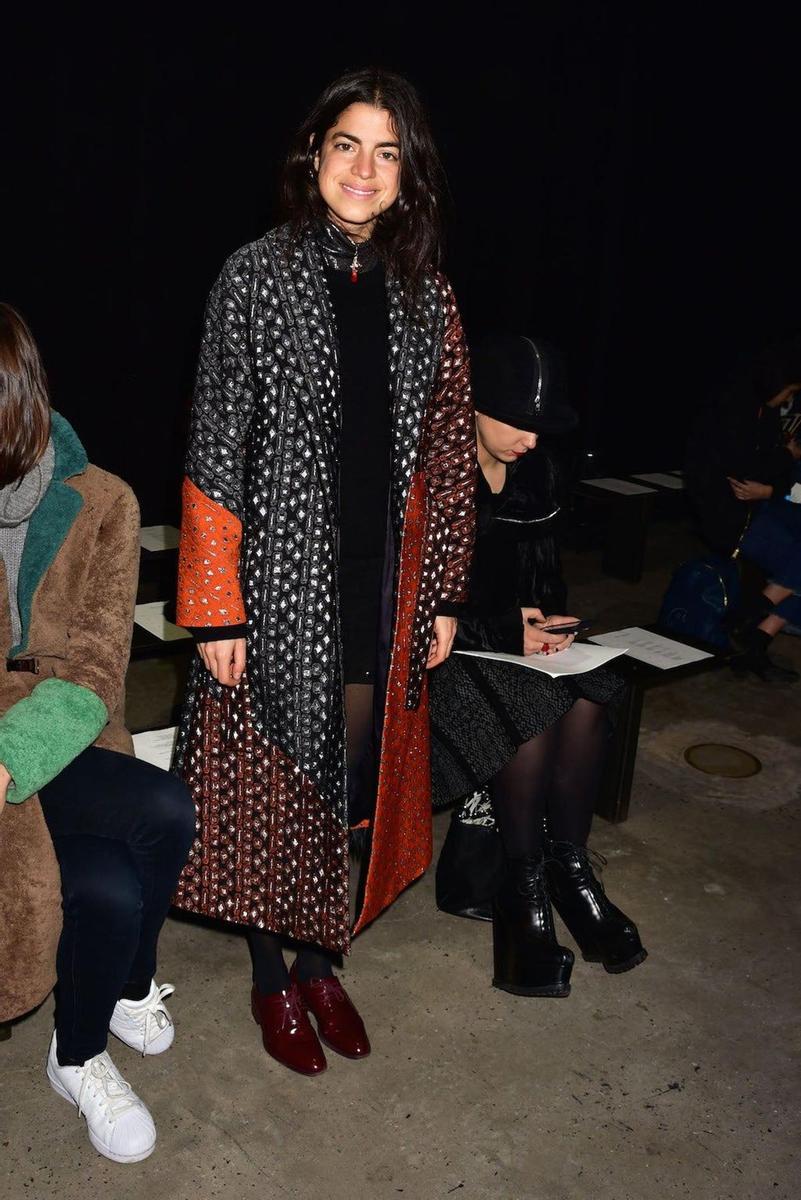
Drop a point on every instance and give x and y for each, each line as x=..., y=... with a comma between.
x=102, y=1076
x=154, y=1015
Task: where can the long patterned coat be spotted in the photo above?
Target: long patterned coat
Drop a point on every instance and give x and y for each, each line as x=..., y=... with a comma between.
x=259, y=549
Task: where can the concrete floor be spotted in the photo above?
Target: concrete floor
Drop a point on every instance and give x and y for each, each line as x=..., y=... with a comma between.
x=677, y=1079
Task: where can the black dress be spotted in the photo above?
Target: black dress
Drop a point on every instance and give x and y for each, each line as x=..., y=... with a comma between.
x=482, y=711
x=360, y=314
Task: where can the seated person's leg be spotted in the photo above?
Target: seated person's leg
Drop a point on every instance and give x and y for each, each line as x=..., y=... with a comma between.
x=121, y=830
x=603, y=932
x=528, y=960
x=116, y=798
x=102, y=902
x=773, y=542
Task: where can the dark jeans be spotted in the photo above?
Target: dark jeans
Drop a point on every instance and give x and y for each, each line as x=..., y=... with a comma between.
x=773, y=542
x=121, y=829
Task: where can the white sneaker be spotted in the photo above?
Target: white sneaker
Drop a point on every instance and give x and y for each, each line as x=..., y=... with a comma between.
x=145, y=1025
x=120, y=1125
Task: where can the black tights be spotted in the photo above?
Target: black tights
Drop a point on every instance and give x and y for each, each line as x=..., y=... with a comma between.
x=554, y=775
x=313, y=962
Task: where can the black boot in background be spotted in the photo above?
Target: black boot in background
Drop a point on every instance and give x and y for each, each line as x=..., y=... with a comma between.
x=754, y=658
x=604, y=934
x=528, y=960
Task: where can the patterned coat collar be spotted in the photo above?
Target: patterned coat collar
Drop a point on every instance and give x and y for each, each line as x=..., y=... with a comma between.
x=414, y=334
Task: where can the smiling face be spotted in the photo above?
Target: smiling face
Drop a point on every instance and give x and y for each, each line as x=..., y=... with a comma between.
x=358, y=168
x=501, y=442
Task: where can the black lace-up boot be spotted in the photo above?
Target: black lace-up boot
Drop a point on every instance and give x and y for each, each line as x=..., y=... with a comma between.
x=528, y=959
x=604, y=934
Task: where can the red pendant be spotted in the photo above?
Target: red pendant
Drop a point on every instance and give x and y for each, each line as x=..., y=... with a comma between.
x=354, y=275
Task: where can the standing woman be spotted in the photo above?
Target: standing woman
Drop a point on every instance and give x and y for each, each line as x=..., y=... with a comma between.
x=327, y=532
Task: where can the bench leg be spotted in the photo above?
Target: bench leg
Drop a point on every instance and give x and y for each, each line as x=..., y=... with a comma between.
x=615, y=793
x=5, y=1030
x=625, y=538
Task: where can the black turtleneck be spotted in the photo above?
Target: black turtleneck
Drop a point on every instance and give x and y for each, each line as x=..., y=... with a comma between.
x=360, y=316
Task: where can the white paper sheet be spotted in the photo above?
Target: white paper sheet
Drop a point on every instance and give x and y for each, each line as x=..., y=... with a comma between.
x=156, y=746
x=651, y=648
x=668, y=479
x=622, y=486
x=579, y=658
x=158, y=537
x=151, y=617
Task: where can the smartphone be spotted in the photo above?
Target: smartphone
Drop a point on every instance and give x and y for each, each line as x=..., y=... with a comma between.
x=573, y=627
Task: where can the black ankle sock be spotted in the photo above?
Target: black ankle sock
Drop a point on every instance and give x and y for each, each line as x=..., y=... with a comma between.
x=759, y=641
x=269, y=969
x=313, y=963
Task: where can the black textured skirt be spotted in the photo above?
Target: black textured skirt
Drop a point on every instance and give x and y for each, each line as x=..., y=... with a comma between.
x=482, y=711
x=360, y=611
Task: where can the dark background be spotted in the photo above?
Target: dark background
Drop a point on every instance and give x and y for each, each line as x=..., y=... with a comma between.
x=623, y=183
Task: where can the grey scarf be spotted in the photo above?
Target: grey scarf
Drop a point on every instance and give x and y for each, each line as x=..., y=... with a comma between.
x=18, y=502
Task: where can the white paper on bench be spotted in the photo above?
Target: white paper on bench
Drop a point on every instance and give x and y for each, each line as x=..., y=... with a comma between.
x=619, y=485
x=158, y=537
x=151, y=617
x=156, y=746
x=663, y=479
x=575, y=661
x=651, y=648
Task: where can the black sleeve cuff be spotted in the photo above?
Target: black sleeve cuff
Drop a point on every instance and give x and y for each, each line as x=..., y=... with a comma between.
x=216, y=633
x=507, y=631
x=449, y=608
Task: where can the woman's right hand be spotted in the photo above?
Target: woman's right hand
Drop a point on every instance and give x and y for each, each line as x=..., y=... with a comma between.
x=535, y=638
x=225, y=659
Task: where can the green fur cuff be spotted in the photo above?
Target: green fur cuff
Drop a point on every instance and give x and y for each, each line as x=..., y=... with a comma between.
x=44, y=732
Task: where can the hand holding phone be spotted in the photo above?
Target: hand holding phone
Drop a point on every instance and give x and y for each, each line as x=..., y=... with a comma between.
x=571, y=627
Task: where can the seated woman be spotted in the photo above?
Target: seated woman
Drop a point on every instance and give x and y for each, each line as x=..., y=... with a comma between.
x=72, y=798
x=537, y=742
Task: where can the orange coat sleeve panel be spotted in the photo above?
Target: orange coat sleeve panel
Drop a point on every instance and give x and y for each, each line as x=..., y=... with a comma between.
x=208, y=563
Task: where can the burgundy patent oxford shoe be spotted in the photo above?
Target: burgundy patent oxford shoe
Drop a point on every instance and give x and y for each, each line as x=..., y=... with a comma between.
x=338, y=1023
x=286, y=1030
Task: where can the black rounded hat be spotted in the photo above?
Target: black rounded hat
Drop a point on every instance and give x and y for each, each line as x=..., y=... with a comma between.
x=521, y=383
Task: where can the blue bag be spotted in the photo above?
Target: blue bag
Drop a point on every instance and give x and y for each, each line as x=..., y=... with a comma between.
x=699, y=597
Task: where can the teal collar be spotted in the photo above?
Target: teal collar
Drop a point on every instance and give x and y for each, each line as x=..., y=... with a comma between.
x=51, y=522
x=70, y=455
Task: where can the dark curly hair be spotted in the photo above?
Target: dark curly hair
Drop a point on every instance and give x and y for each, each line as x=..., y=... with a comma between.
x=408, y=236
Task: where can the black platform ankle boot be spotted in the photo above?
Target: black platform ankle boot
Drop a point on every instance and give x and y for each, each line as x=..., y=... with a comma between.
x=604, y=934
x=528, y=960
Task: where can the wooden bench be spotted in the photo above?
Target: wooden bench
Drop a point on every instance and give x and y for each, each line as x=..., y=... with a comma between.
x=615, y=793
x=623, y=507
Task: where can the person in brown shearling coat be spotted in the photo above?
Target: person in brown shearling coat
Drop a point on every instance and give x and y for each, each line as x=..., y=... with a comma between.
x=91, y=840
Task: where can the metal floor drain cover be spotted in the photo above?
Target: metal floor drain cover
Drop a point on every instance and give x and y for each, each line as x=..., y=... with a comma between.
x=730, y=762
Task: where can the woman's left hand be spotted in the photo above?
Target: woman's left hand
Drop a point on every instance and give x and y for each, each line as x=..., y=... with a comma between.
x=567, y=640
x=441, y=641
